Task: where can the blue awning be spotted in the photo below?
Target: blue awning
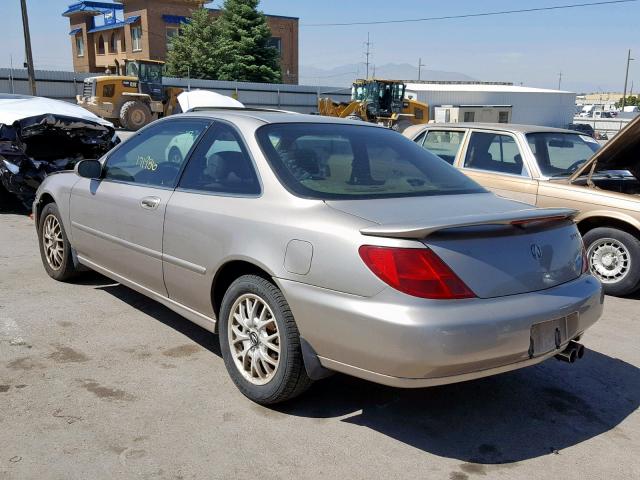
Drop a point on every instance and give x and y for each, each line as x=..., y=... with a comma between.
x=127, y=20
x=96, y=8
x=175, y=19
x=75, y=31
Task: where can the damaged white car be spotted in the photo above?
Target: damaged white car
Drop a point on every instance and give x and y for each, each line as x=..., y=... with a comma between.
x=40, y=136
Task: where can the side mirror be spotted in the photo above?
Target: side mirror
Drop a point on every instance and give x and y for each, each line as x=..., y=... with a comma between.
x=89, y=169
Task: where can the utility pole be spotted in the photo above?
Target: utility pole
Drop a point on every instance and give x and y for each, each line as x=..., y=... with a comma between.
x=559, y=80
x=27, y=46
x=420, y=65
x=374, y=70
x=367, y=53
x=626, y=79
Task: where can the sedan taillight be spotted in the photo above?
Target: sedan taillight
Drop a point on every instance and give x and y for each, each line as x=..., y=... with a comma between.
x=415, y=271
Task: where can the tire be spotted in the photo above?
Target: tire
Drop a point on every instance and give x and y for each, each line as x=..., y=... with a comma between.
x=614, y=258
x=134, y=115
x=241, y=343
x=58, y=266
x=174, y=155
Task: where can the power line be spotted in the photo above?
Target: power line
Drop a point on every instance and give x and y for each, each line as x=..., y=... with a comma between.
x=471, y=15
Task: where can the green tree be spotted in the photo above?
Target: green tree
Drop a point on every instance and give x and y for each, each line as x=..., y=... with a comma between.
x=194, y=52
x=243, y=43
x=630, y=101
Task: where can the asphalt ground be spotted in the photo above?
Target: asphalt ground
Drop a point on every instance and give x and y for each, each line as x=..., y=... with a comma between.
x=97, y=381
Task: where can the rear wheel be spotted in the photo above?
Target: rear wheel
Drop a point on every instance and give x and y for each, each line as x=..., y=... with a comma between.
x=55, y=249
x=614, y=257
x=260, y=342
x=134, y=115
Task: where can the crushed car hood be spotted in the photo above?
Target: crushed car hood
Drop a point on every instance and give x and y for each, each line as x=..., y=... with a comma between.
x=622, y=152
x=40, y=136
x=18, y=107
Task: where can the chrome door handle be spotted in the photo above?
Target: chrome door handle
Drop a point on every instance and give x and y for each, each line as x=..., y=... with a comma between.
x=150, y=202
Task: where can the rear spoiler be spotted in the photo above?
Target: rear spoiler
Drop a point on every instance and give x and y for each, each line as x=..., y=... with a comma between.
x=424, y=228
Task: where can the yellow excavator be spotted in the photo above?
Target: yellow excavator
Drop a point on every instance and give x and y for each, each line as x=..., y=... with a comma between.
x=132, y=98
x=378, y=101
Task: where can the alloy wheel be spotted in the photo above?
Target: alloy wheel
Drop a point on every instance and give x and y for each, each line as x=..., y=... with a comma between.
x=53, y=242
x=609, y=259
x=254, y=339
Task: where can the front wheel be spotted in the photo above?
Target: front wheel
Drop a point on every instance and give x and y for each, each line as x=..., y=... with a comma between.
x=134, y=115
x=55, y=249
x=260, y=342
x=614, y=258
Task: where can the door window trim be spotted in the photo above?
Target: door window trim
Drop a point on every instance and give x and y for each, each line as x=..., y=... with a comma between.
x=208, y=124
x=463, y=143
x=516, y=139
x=243, y=143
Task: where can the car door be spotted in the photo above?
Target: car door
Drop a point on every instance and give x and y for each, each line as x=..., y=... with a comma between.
x=117, y=221
x=495, y=161
x=210, y=211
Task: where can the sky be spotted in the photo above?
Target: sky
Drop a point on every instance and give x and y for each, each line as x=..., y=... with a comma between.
x=588, y=45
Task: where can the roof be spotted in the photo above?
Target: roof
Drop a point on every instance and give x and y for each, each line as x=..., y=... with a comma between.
x=111, y=26
x=270, y=116
x=472, y=87
x=97, y=8
x=509, y=127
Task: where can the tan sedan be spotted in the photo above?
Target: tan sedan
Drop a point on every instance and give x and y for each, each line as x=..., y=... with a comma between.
x=551, y=167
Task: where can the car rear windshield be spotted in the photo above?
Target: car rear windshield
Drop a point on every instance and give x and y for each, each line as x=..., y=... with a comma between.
x=341, y=161
x=561, y=154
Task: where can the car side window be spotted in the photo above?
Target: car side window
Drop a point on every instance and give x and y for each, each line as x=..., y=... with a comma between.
x=155, y=156
x=221, y=164
x=444, y=144
x=494, y=152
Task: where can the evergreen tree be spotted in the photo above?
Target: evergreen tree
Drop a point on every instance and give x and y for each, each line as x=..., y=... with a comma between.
x=194, y=51
x=243, y=44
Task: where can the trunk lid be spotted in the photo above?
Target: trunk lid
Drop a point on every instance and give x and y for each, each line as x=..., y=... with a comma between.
x=497, y=247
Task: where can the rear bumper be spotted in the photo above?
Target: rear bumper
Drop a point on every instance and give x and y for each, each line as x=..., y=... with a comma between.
x=402, y=341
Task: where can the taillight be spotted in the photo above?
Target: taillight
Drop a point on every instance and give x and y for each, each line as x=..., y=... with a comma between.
x=415, y=271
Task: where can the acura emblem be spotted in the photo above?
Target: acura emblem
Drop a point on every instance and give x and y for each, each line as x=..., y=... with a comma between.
x=536, y=251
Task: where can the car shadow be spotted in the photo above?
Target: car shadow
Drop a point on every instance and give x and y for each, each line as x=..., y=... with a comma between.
x=156, y=310
x=502, y=419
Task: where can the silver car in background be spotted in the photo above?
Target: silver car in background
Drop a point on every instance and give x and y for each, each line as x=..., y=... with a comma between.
x=314, y=245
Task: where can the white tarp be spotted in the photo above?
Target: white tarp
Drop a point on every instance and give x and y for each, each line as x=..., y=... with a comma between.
x=18, y=107
x=206, y=98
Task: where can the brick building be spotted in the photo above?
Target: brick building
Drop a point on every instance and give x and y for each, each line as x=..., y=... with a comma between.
x=102, y=32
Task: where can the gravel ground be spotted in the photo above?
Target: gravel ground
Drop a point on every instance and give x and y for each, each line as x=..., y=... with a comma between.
x=96, y=381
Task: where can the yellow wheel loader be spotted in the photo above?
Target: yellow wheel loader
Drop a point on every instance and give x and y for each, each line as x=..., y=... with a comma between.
x=378, y=101
x=131, y=100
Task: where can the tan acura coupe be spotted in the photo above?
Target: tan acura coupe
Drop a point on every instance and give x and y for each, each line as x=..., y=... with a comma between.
x=551, y=167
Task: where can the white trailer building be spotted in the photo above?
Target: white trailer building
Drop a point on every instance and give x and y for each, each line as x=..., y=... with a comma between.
x=534, y=106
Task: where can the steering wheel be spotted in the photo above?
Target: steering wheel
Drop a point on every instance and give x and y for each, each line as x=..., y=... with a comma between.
x=575, y=165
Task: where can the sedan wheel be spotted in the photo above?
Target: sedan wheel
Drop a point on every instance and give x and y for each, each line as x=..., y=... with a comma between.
x=614, y=258
x=55, y=249
x=53, y=243
x=254, y=339
x=260, y=342
x=609, y=260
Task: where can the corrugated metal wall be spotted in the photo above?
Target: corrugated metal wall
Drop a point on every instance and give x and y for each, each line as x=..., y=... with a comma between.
x=552, y=109
x=66, y=85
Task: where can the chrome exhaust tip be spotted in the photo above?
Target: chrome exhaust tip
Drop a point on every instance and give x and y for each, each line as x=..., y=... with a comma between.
x=574, y=351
